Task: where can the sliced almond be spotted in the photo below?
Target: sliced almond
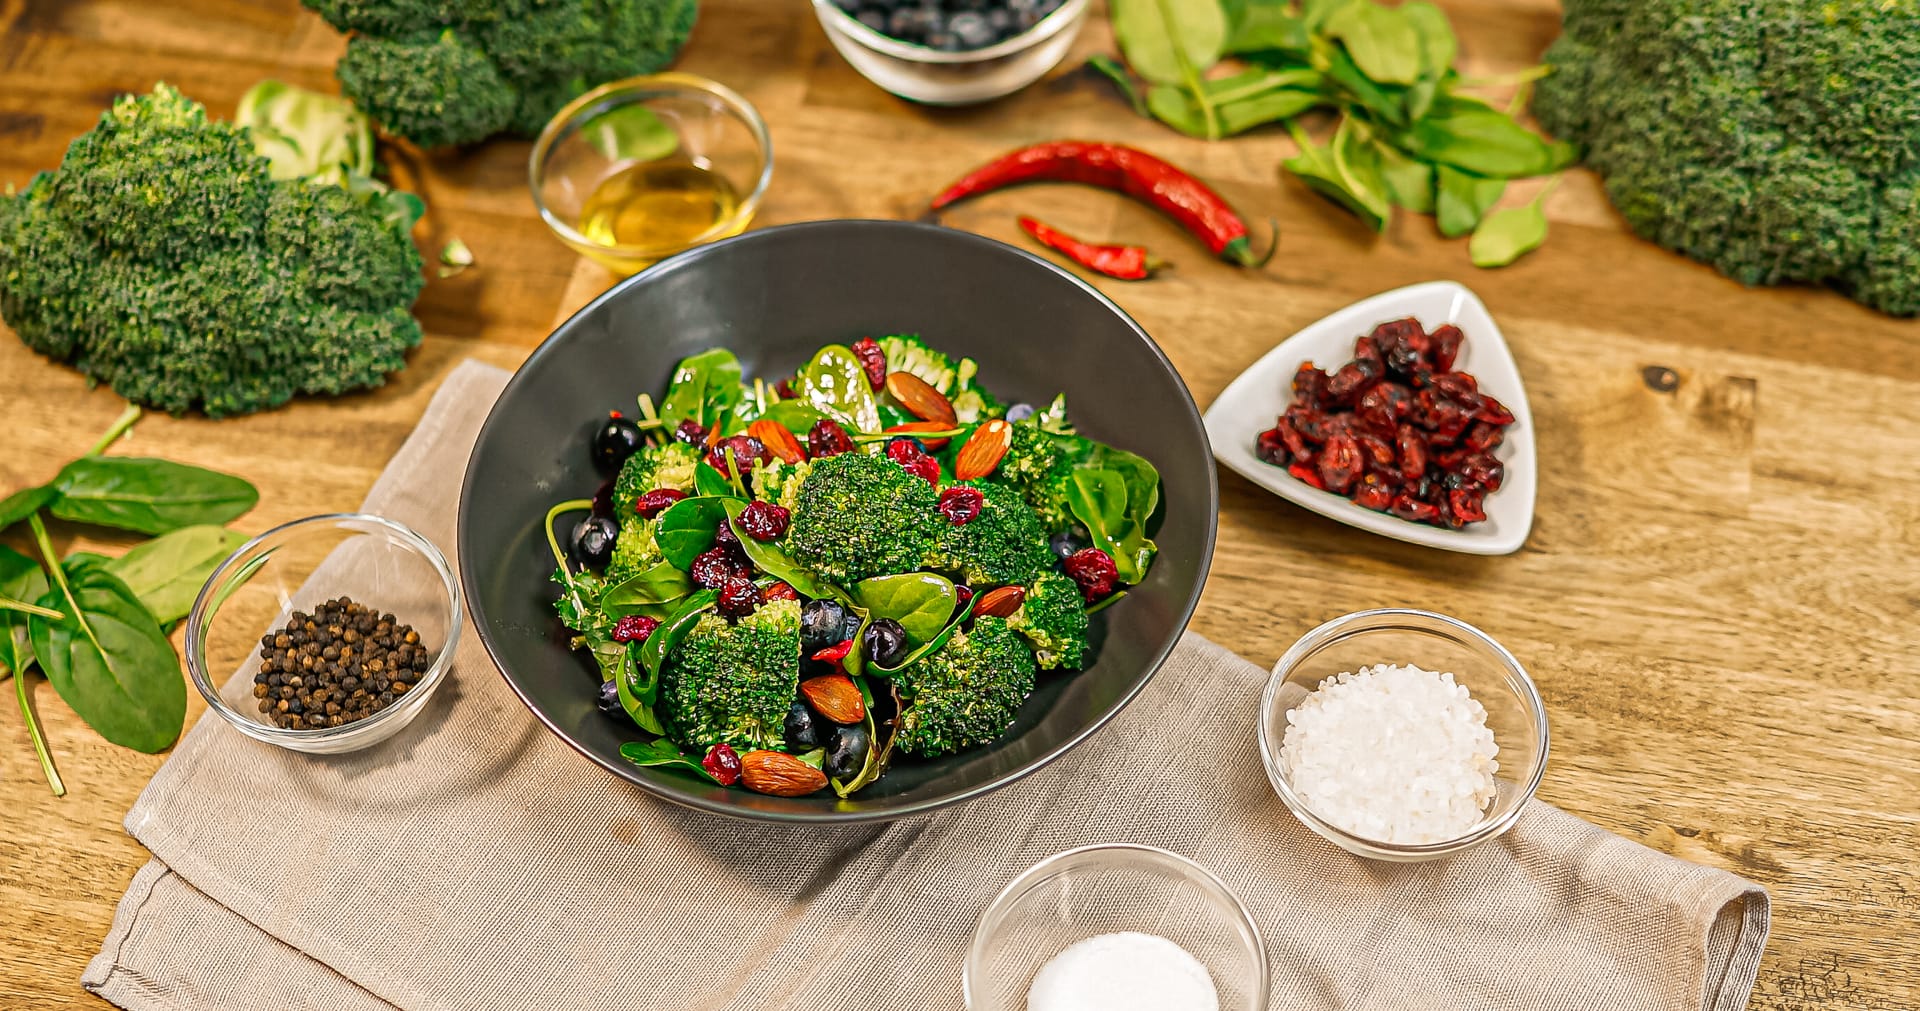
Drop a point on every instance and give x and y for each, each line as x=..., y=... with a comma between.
x=1000, y=602
x=914, y=428
x=983, y=450
x=779, y=774
x=778, y=440
x=920, y=400
x=836, y=697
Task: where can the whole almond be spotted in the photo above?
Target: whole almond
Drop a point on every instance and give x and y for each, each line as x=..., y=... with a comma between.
x=836, y=697
x=779, y=774
x=983, y=450
x=778, y=440
x=914, y=428
x=1000, y=602
x=920, y=400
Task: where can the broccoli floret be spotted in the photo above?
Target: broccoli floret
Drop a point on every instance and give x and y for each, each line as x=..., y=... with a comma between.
x=1777, y=143
x=733, y=683
x=955, y=380
x=779, y=483
x=668, y=466
x=1038, y=468
x=965, y=693
x=1004, y=544
x=858, y=515
x=442, y=73
x=164, y=260
x=635, y=551
x=1053, y=620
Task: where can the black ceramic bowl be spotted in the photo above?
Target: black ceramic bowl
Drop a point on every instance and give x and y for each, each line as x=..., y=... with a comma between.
x=773, y=297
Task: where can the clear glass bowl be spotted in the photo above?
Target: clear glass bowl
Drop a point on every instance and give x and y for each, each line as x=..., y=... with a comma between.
x=1432, y=642
x=296, y=567
x=1105, y=889
x=943, y=78
x=592, y=139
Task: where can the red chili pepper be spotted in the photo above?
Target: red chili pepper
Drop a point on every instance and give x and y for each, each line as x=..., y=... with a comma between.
x=1124, y=170
x=1128, y=263
x=836, y=652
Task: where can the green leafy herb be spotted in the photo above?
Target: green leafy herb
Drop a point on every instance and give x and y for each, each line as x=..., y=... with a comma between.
x=147, y=496
x=1147, y=30
x=1111, y=69
x=1472, y=136
x=1344, y=171
x=922, y=602
x=661, y=583
x=22, y=579
x=659, y=645
x=1267, y=26
x=835, y=384
x=708, y=482
x=166, y=573
x=24, y=503
x=1383, y=41
x=1098, y=498
x=1438, y=46
x=932, y=644
x=1409, y=182
x=705, y=388
x=1461, y=200
x=662, y=752
x=687, y=527
x=793, y=415
x=1506, y=235
x=638, y=689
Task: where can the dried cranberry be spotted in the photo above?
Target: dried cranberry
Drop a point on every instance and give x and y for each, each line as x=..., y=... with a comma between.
x=1340, y=463
x=1445, y=347
x=745, y=450
x=714, y=567
x=1407, y=507
x=962, y=596
x=1366, y=348
x=723, y=538
x=1309, y=385
x=653, y=503
x=1483, y=437
x=1094, y=570
x=1482, y=469
x=785, y=388
x=1375, y=409
x=1271, y=445
x=1310, y=423
x=1401, y=343
x=763, y=521
x=634, y=628
x=872, y=360
x=779, y=591
x=738, y=597
x=827, y=438
x=1460, y=388
x=961, y=505
x=723, y=764
x=1353, y=379
x=1380, y=456
x=1466, y=505
x=1449, y=459
x=1412, y=450
x=913, y=459
x=690, y=432
x=1493, y=411
x=1372, y=492
x=1305, y=471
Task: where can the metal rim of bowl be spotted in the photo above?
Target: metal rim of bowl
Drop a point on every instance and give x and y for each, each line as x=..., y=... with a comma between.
x=1027, y=877
x=1329, y=631
x=468, y=582
x=735, y=103
x=1049, y=26
x=197, y=624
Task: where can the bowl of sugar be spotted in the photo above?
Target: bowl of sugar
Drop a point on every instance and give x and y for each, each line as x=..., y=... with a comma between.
x=1403, y=735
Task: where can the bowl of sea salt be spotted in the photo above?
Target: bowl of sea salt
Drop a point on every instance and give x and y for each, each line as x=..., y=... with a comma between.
x=1403, y=735
x=1116, y=927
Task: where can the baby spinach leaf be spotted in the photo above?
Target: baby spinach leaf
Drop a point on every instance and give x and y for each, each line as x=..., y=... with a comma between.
x=1314, y=14
x=147, y=496
x=1343, y=171
x=1110, y=68
x=1241, y=102
x=662, y=752
x=663, y=640
x=1097, y=497
x=637, y=690
x=771, y=559
x=931, y=644
x=661, y=583
x=708, y=481
x=793, y=415
x=167, y=572
x=835, y=384
x=1388, y=105
x=1506, y=235
x=921, y=602
x=110, y=662
x=1264, y=27
x=1474, y=137
x=1142, y=480
x=686, y=528
x=705, y=387
x=1382, y=41
x=1462, y=199
x=1409, y=182
x=1438, y=46
x=21, y=578
x=23, y=503
x=1147, y=30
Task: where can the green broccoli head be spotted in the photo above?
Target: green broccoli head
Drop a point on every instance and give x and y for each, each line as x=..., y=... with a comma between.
x=965, y=693
x=320, y=238
x=733, y=683
x=1777, y=145
x=635, y=551
x=1004, y=544
x=1037, y=467
x=668, y=466
x=858, y=515
x=443, y=73
x=1053, y=620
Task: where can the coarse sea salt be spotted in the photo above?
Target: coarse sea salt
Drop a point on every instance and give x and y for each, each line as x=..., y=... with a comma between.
x=1393, y=753
x=1127, y=971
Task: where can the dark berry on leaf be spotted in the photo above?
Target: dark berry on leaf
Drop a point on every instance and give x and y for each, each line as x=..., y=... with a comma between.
x=593, y=540
x=745, y=450
x=913, y=459
x=616, y=440
x=763, y=521
x=603, y=499
x=962, y=596
x=821, y=624
x=961, y=505
x=885, y=643
x=690, y=432
x=847, y=751
x=827, y=438
x=801, y=730
x=653, y=503
x=723, y=764
x=873, y=361
x=1064, y=544
x=738, y=597
x=634, y=628
x=714, y=568
x=1094, y=570
x=608, y=701
x=723, y=537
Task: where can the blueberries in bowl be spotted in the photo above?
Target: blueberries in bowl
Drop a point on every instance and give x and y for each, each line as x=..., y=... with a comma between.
x=952, y=26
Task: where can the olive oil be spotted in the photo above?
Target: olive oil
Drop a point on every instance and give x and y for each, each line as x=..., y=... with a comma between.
x=657, y=205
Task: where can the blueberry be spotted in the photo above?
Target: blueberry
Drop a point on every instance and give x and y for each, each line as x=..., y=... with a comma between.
x=593, y=540
x=1065, y=543
x=609, y=699
x=1020, y=412
x=1000, y=20
x=847, y=751
x=972, y=30
x=616, y=440
x=802, y=728
x=885, y=643
x=822, y=624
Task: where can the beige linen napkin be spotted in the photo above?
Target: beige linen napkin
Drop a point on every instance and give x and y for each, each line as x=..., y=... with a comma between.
x=475, y=862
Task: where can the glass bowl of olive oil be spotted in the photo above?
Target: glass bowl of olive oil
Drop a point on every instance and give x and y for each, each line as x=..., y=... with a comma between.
x=637, y=170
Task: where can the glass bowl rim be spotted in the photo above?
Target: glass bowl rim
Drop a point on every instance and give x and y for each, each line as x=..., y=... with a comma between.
x=197, y=621
x=1338, y=628
x=1026, y=878
x=671, y=81
x=1046, y=28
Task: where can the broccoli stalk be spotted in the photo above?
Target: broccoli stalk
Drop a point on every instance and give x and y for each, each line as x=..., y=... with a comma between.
x=733, y=683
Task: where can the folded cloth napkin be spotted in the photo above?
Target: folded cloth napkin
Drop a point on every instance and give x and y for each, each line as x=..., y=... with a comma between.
x=473, y=861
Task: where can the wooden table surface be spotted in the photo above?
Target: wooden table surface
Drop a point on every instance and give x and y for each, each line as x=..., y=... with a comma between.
x=1718, y=599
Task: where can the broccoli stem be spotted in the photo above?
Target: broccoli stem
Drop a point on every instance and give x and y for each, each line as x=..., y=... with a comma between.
x=120, y=426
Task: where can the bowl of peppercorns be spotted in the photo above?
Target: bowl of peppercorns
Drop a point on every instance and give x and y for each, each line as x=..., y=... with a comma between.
x=952, y=52
x=327, y=634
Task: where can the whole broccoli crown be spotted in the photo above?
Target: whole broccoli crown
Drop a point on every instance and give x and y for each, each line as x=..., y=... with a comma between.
x=1053, y=620
x=442, y=73
x=163, y=259
x=1778, y=143
x=733, y=683
x=668, y=466
x=779, y=483
x=635, y=551
x=1004, y=544
x=858, y=515
x=966, y=693
x=1038, y=469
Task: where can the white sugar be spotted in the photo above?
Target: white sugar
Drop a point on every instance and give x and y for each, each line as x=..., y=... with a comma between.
x=1128, y=971
x=1393, y=754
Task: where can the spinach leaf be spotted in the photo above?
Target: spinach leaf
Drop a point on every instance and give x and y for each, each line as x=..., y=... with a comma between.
x=659, y=645
x=1474, y=137
x=835, y=384
x=110, y=662
x=1147, y=31
x=166, y=573
x=1409, y=182
x=705, y=388
x=661, y=583
x=24, y=503
x=1438, y=46
x=931, y=644
x=21, y=578
x=793, y=415
x=1241, y=102
x=1111, y=69
x=147, y=496
x=1386, y=104
x=1506, y=235
x=1314, y=14
x=1383, y=42
x=637, y=693
x=1461, y=200
x=662, y=752
x=1344, y=171
x=1098, y=499
x=687, y=527
x=1142, y=480
x=922, y=602
x=710, y=482
x=1265, y=27
x=770, y=558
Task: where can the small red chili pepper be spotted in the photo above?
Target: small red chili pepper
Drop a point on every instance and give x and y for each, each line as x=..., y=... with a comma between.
x=836, y=652
x=1128, y=263
x=1124, y=170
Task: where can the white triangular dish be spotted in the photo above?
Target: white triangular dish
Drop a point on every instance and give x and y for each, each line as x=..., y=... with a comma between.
x=1249, y=405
